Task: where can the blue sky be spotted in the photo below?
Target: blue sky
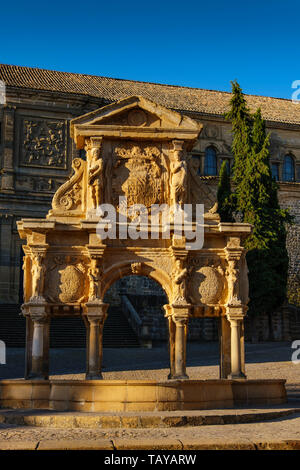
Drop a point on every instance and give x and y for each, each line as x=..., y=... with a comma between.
x=188, y=43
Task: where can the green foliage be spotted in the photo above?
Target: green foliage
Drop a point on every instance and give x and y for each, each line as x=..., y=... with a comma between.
x=257, y=203
x=241, y=128
x=224, y=195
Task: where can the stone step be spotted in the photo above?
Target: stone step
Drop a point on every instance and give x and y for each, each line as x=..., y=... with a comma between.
x=162, y=419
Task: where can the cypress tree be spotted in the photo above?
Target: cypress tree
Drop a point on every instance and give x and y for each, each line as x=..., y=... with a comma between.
x=241, y=128
x=257, y=202
x=224, y=195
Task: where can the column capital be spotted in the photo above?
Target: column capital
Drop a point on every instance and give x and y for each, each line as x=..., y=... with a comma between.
x=180, y=320
x=39, y=318
x=236, y=312
x=95, y=310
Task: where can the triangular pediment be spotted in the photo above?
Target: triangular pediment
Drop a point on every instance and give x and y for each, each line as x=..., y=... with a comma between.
x=133, y=114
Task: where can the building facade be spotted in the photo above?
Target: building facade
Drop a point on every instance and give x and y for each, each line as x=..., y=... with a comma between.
x=36, y=152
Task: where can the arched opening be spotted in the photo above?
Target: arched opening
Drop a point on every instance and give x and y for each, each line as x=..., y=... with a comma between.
x=288, y=169
x=135, y=314
x=210, y=161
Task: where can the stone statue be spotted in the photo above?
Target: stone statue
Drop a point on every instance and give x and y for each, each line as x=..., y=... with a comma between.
x=95, y=177
x=94, y=274
x=178, y=179
x=179, y=276
x=38, y=276
x=232, y=275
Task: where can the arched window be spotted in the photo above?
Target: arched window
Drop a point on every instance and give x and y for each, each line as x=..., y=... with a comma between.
x=210, y=162
x=275, y=171
x=288, y=168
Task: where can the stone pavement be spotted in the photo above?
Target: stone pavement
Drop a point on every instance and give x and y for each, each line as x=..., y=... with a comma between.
x=264, y=360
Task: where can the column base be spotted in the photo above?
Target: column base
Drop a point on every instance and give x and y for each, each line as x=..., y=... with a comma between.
x=33, y=376
x=237, y=376
x=178, y=377
x=93, y=377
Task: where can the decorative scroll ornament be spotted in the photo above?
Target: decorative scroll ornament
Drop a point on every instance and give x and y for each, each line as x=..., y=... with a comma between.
x=68, y=199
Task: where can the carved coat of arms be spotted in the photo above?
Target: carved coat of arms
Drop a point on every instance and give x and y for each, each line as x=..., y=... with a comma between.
x=137, y=175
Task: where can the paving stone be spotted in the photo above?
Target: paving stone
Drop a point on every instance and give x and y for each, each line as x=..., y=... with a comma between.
x=103, y=444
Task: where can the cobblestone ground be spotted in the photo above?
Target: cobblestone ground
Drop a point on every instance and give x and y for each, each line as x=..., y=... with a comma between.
x=264, y=360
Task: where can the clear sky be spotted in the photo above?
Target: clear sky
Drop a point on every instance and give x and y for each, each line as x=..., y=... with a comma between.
x=189, y=43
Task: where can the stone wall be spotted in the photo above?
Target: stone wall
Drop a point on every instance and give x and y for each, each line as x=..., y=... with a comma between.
x=293, y=246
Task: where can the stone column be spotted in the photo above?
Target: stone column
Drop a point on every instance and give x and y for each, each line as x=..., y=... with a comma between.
x=38, y=349
x=236, y=349
x=172, y=331
x=95, y=315
x=225, y=347
x=180, y=346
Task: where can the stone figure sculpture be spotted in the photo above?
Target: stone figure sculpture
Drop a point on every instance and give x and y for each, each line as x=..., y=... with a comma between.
x=94, y=275
x=178, y=179
x=38, y=271
x=95, y=177
x=179, y=276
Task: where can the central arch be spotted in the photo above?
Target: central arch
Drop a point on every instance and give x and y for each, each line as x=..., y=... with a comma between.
x=134, y=267
x=136, y=315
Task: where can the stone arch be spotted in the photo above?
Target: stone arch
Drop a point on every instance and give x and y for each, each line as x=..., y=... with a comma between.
x=118, y=271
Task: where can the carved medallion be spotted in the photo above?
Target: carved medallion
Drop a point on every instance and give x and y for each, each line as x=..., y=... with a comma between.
x=206, y=285
x=65, y=280
x=137, y=117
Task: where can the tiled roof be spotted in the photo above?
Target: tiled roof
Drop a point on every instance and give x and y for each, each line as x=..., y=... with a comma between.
x=174, y=97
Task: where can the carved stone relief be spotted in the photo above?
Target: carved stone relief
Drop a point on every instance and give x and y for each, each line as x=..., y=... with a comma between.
x=37, y=184
x=65, y=280
x=43, y=143
x=69, y=197
x=137, y=174
x=206, y=285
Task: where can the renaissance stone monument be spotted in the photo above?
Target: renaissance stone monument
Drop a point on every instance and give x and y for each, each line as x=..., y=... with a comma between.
x=136, y=151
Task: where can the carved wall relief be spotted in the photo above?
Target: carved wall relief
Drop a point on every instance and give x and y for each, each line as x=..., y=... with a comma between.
x=37, y=184
x=66, y=280
x=43, y=143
